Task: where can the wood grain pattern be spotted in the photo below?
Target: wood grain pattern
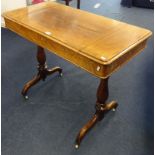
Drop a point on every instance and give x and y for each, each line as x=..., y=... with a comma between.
x=95, y=43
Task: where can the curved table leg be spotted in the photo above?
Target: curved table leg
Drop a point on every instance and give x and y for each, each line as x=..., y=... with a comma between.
x=53, y=70
x=43, y=72
x=67, y=2
x=29, y=84
x=101, y=109
x=84, y=130
x=78, y=4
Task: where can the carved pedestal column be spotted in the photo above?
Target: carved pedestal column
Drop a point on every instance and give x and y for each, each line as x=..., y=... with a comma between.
x=101, y=108
x=43, y=72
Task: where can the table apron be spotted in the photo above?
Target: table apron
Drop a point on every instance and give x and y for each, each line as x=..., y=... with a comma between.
x=97, y=69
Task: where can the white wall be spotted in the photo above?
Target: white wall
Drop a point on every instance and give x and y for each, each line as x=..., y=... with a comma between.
x=12, y=4
x=7, y=5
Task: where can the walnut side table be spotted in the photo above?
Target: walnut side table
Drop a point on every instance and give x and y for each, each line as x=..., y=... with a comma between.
x=95, y=43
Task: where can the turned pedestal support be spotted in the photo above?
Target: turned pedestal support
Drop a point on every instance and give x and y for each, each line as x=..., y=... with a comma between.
x=102, y=94
x=101, y=108
x=43, y=71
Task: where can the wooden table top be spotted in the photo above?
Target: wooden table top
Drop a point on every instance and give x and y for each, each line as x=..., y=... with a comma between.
x=95, y=43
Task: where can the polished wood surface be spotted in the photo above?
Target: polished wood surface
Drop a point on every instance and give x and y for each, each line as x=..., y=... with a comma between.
x=43, y=71
x=95, y=43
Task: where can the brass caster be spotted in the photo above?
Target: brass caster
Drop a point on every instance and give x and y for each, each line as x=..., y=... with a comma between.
x=26, y=97
x=61, y=74
x=76, y=146
x=114, y=109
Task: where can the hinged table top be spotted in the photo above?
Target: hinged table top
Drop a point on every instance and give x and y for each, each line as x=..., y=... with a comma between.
x=98, y=38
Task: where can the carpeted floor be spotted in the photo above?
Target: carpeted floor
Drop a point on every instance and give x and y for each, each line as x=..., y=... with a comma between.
x=49, y=121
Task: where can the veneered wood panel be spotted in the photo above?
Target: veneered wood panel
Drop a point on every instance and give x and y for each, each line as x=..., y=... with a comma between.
x=95, y=43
